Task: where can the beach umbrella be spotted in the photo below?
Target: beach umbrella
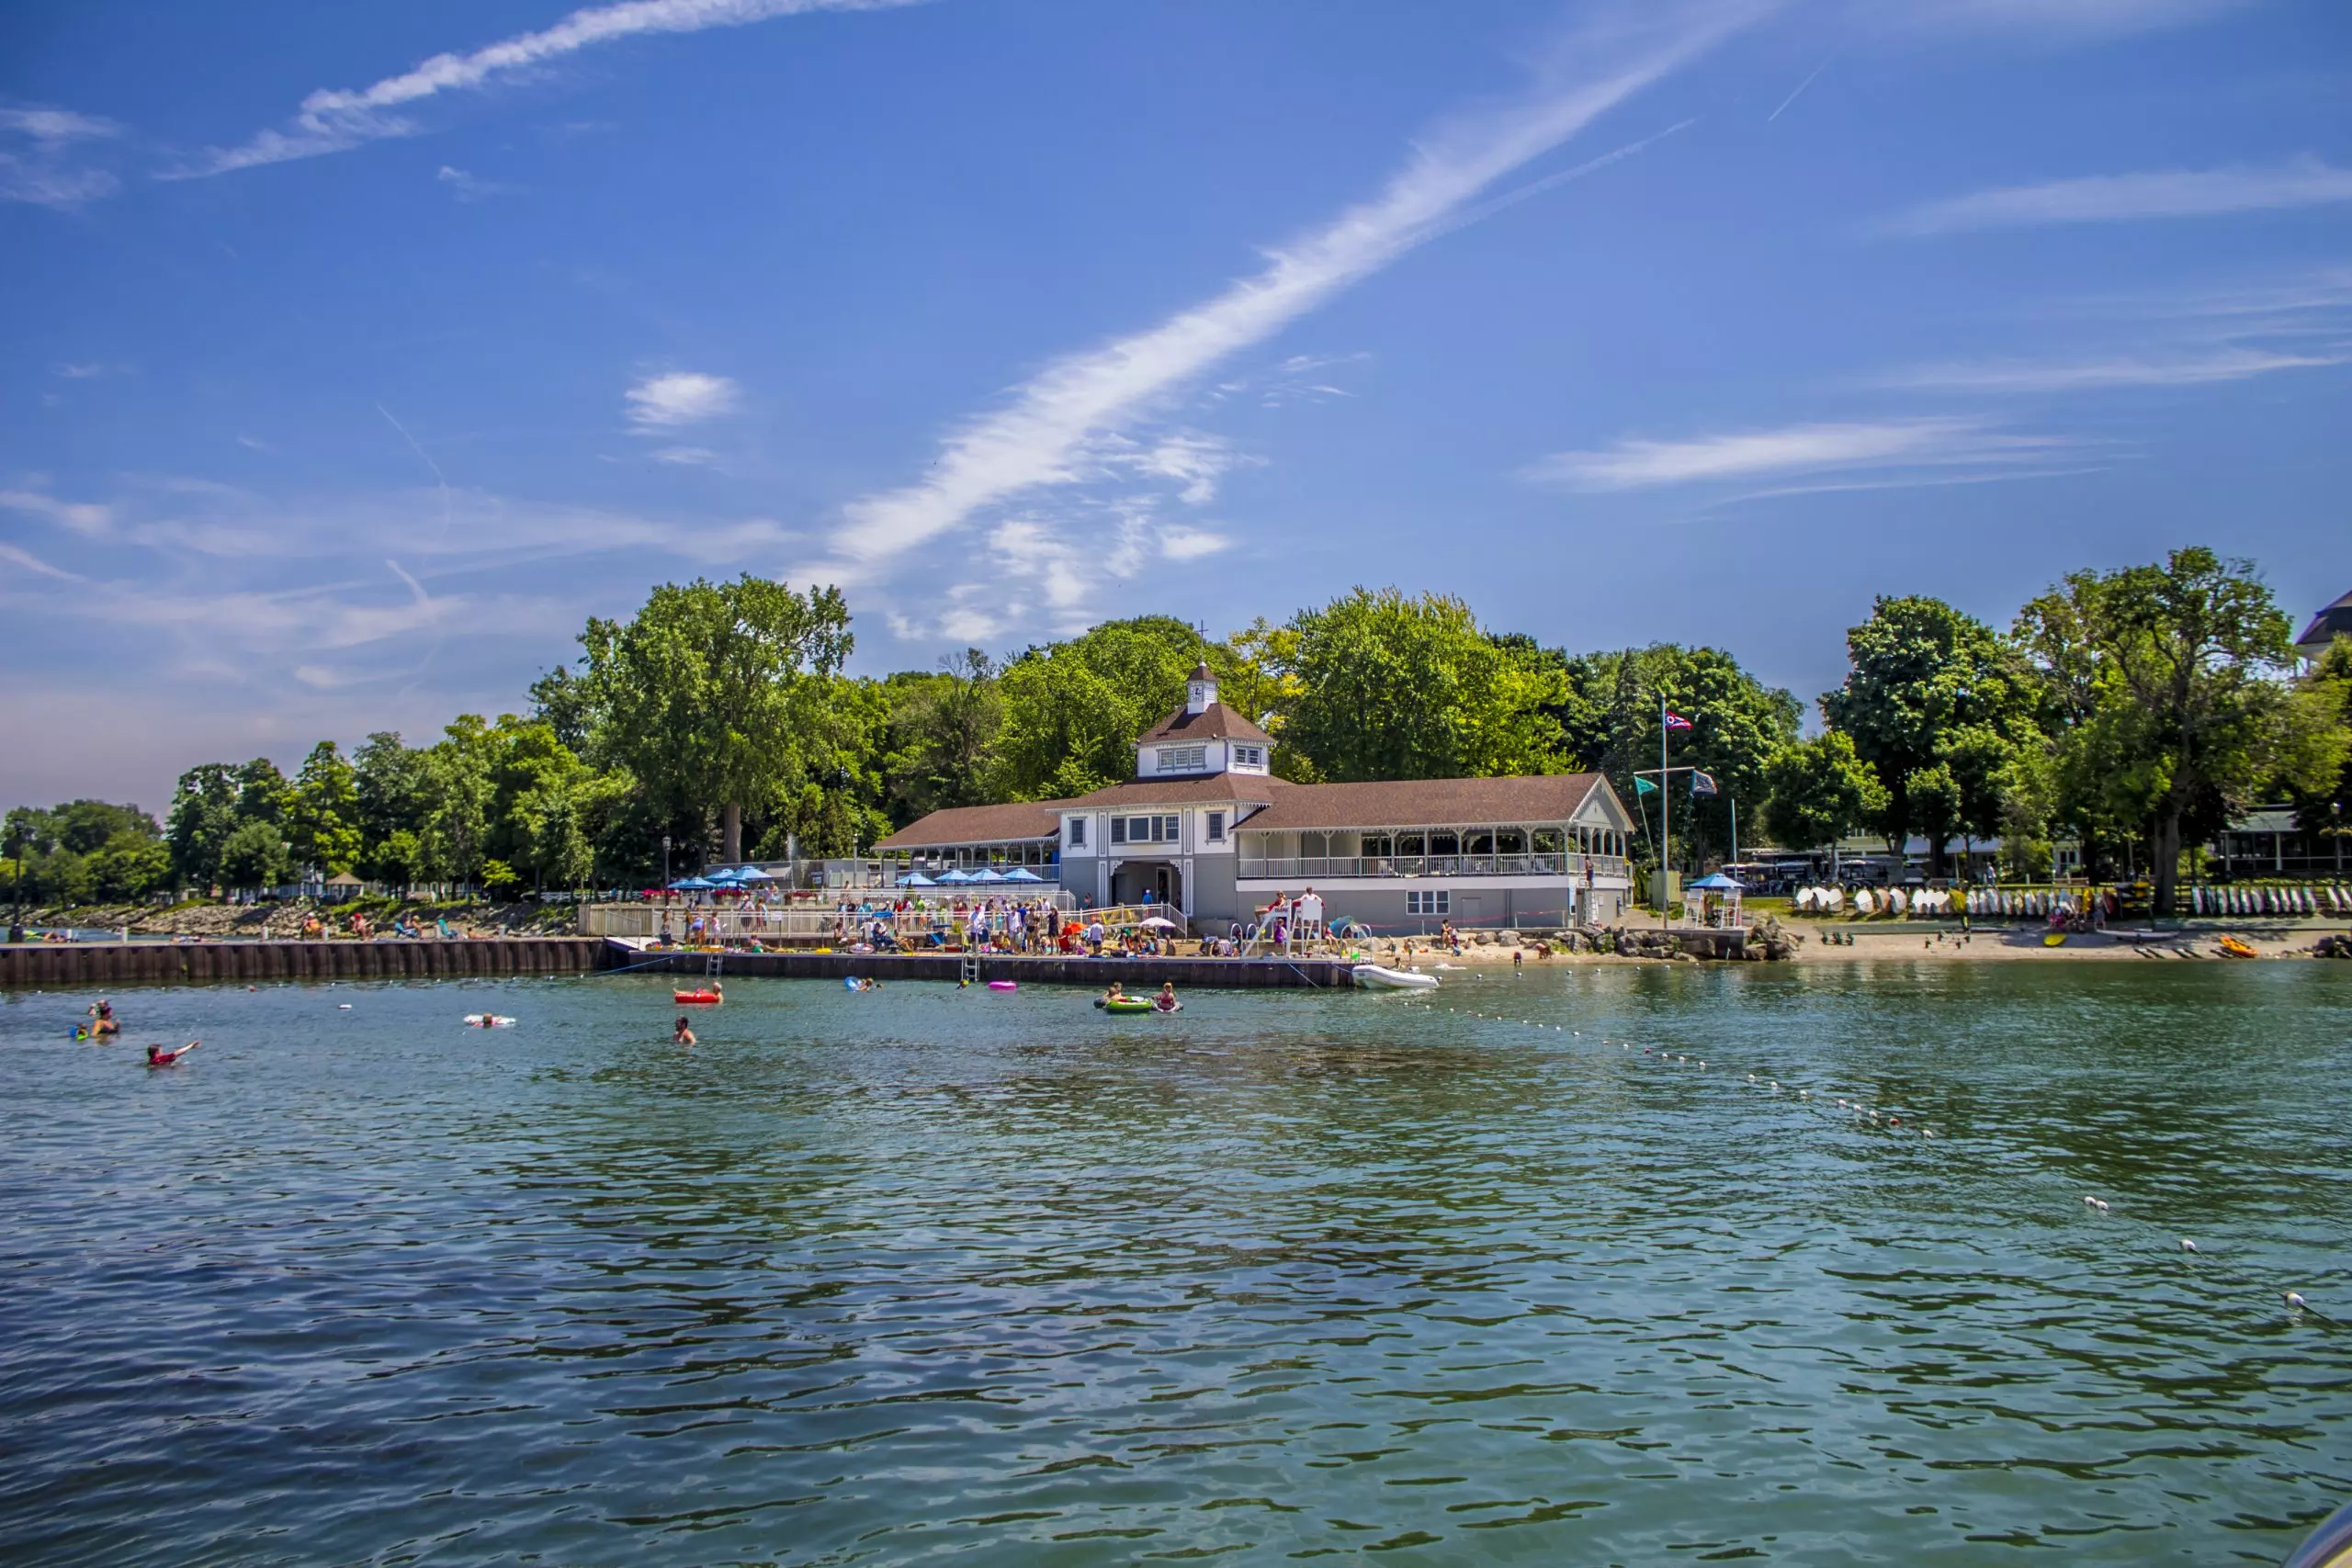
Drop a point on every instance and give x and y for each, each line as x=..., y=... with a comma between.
x=956, y=875
x=1022, y=874
x=692, y=884
x=1157, y=924
x=1718, y=883
x=987, y=873
x=916, y=879
x=752, y=874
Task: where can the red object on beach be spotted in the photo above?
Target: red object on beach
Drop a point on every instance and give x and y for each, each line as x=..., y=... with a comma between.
x=695, y=998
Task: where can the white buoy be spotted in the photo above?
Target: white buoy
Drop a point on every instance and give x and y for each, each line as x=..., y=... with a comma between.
x=1752, y=1078
x=2089, y=1202
x=2294, y=1299
x=2187, y=1244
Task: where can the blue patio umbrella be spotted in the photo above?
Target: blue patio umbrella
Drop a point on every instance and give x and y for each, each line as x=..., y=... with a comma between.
x=1718, y=883
x=692, y=884
x=916, y=879
x=987, y=873
x=957, y=875
x=1022, y=874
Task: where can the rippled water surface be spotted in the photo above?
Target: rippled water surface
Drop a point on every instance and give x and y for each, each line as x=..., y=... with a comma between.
x=936, y=1274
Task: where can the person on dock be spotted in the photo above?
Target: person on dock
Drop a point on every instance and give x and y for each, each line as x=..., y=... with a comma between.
x=685, y=1034
x=159, y=1057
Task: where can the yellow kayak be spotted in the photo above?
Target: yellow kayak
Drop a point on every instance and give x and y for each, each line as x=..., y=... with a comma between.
x=2236, y=948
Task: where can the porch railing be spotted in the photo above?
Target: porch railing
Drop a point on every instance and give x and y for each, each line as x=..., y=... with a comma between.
x=1341, y=866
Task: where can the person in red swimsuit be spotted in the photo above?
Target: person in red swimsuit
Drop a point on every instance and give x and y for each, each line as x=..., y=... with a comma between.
x=159, y=1057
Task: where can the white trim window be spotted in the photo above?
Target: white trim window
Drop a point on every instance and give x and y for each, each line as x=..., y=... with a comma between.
x=1077, y=833
x=1152, y=829
x=1249, y=756
x=1215, y=829
x=1436, y=903
x=1184, y=759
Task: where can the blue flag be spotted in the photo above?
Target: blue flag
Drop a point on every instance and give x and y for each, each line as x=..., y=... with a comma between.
x=1702, y=783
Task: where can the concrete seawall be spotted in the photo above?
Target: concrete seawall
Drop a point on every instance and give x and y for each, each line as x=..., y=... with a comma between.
x=55, y=965
x=1208, y=972
x=119, y=964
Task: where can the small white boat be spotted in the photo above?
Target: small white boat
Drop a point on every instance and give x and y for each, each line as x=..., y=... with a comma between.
x=1380, y=978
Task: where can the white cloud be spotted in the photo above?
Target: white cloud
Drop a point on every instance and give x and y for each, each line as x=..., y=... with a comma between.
x=57, y=125
x=82, y=518
x=1892, y=443
x=681, y=397
x=42, y=168
x=82, y=372
x=470, y=187
x=2081, y=375
x=1046, y=434
x=332, y=119
x=685, y=456
x=2102, y=198
x=1190, y=544
x=33, y=563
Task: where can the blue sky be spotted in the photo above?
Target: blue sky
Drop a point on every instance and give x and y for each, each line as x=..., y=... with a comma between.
x=357, y=353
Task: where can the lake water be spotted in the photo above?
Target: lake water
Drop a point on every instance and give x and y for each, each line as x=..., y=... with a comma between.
x=930, y=1274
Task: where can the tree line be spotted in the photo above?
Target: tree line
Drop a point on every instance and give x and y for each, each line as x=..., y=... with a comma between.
x=2132, y=711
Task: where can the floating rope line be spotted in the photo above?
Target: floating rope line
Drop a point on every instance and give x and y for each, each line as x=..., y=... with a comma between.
x=1855, y=1113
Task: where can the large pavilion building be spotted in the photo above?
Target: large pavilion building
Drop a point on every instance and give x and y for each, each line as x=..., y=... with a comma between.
x=1204, y=826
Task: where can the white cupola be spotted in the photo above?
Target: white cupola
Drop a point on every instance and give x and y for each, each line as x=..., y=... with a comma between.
x=1201, y=691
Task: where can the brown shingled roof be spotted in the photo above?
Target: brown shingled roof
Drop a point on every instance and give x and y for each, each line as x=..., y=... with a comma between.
x=979, y=825
x=1215, y=722
x=1407, y=803
x=2332, y=621
x=1190, y=789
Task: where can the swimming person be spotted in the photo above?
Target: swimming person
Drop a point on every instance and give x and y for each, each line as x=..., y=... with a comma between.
x=159, y=1057
x=1166, y=1000
x=1114, y=994
x=686, y=1034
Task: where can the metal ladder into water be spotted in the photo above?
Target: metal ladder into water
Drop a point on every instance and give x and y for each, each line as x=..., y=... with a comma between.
x=710, y=965
x=968, y=972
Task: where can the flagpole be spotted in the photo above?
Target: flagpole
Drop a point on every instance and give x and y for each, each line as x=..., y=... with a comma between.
x=1665, y=816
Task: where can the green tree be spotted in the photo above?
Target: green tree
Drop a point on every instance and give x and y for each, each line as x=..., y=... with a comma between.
x=714, y=695
x=1073, y=709
x=254, y=857
x=940, y=736
x=1389, y=687
x=1935, y=702
x=1818, y=791
x=398, y=862
x=129, y=865
x=388, y=799
x=2178, y=670
x=322, y=812
x=2324, y=806
x=1610, y=721
x=263, y=794
x=460, y=786
x=203, y=815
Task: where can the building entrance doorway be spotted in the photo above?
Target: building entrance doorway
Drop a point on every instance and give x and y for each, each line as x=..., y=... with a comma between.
x=1131, y=879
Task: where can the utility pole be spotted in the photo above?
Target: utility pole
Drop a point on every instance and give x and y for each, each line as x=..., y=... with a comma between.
x=665, y=863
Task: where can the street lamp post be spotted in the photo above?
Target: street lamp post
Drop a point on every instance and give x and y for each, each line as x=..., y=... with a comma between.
x=665, y=863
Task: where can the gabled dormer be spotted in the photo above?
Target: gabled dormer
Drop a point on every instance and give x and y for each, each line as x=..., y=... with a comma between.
x=1202, y=738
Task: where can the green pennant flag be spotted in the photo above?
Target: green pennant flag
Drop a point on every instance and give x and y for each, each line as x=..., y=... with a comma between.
x=1643, y=787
